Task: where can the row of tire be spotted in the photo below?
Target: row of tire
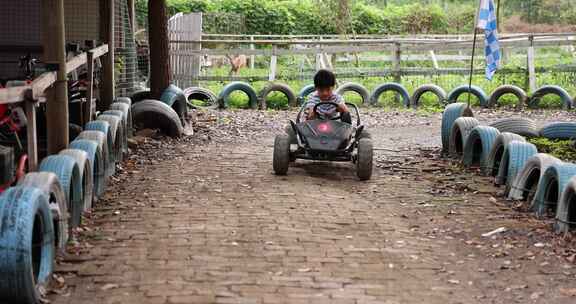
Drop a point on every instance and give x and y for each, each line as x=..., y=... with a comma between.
x=38, y=214
x=259, y=100
x=545, y=183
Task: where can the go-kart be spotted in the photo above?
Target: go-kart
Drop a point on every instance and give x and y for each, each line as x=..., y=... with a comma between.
x=325, y=139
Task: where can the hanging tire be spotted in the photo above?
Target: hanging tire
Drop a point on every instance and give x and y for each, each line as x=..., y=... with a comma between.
x=521, y=126
x=68, y=173
x=566, y=214
x=553, y=182
x=356, y=88
x=528, y=179
x=515, y=156
x=432, y=88
x=85, y=168
x=364, y=159
x=451, y=113
x=123, y=129
x=476, y=91
x=138, y=96
x=281, y=158
x=461, y=129
x=125, y=100
x=98, y=169
x=304, y=92
x=127, y=115
x=48, y=183
x=559, y=130
x=498, y=149
x=391, y=86
x=508, y=89
x=101, y=140
x=197, y=93
x=276, y=87
x=174, y=97
x=567, y=102
x=104, y=127
x=156, y=115
x=238, y=86
x=27, y=245
x=478, y=146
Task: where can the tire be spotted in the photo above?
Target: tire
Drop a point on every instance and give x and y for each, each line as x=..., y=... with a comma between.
x=48, y=183
x=365, y=159
x=156, y=115
x=124, y=129
x=100, y=139
x=552, y=185
x=238, y=86
x=138, y=96
x=125, y=100
x=117, y=131
x=304, y=92
x=391, y=86
x=276, y=87
x=421, y=90
x=356, y=88
x=86, y=175
x=174, y=97
x=508, y=89
x=73, y=131
x=497, y=152
x=566, y=213
x=476, y=91
x=478, y=146
x=451, y=113
x=27, y=245
x=281, y=159
x=461, y=129
x=126, y=114
x=204, y=94
x=567, y=102
x=68, y=173
x=559, y=130
x=515, y=156
x=108, y=149
x=520, y=126
x=529, y=178
x=98, y=170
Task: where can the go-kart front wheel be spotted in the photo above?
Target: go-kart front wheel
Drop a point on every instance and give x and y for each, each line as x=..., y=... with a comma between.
x=281, y=158
x=364, y=159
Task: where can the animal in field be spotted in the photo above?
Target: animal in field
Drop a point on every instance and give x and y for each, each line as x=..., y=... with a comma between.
x=236, y=63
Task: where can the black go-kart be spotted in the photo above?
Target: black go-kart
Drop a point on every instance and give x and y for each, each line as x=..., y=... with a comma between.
x=325, y=140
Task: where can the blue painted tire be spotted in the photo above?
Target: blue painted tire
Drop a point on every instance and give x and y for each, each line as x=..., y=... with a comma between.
x=391, y=86
x=451, y=113
x=432, y=88
x=529, y=178
x=85, y=167
x=108, y=149
x=127, y=113
x=101, y=140
x=567, y=102
x=516, y=154
x=124, y=124
x=174, y=97
x=125, y=100
x=559, y=130
x=566, y=214
x=552, y=185
x=68, y=173
x=25, y=225
x=476, y=91
x=461, y=129
x=304, y=92
x=356, y=88
x=238, y=86
x=117, y=131
x=478, y=146
x=48, y=183
x=497, y=152
x=98, y=170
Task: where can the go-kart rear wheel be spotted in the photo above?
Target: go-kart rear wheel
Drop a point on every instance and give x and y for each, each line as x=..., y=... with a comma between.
x=281, y=159
x=364, y=159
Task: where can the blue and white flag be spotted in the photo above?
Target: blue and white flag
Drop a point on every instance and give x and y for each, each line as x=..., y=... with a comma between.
x=487, y=22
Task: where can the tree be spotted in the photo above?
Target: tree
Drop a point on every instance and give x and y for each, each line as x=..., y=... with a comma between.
x=160, y=73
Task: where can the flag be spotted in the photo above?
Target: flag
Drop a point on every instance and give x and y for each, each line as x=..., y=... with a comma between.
x=487, y=22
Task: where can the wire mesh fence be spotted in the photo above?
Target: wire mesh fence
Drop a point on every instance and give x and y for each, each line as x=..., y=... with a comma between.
x=126, y=57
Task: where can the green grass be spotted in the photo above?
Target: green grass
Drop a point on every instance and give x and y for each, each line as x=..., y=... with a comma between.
x=562, y=149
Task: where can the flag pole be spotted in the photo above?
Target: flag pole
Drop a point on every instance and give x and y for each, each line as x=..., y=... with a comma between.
x=472, y=66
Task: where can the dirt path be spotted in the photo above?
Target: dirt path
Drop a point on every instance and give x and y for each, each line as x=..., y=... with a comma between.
x=212, y=224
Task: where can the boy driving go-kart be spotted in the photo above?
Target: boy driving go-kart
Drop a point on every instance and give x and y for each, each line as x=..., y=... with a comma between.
x=324, y=131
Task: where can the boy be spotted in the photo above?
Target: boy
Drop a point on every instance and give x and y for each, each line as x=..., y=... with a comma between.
x=324, y=82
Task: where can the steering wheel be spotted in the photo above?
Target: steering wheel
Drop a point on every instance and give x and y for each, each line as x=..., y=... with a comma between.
x=319, y=115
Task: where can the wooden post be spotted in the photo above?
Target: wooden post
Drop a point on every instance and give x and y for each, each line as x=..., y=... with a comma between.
x=273, y=61
x=132, y=14
x=54, y=42
x=252, y=57
x=32, y=149
x=87, y=114
x=434, y=60
x=196, y=35
x=531, y=66
x=396, y=64
x=107, y=36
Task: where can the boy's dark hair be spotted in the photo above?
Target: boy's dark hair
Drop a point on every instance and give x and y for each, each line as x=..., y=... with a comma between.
x=324, y=79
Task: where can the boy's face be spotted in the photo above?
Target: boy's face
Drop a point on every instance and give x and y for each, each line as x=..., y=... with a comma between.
x=324, y=93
